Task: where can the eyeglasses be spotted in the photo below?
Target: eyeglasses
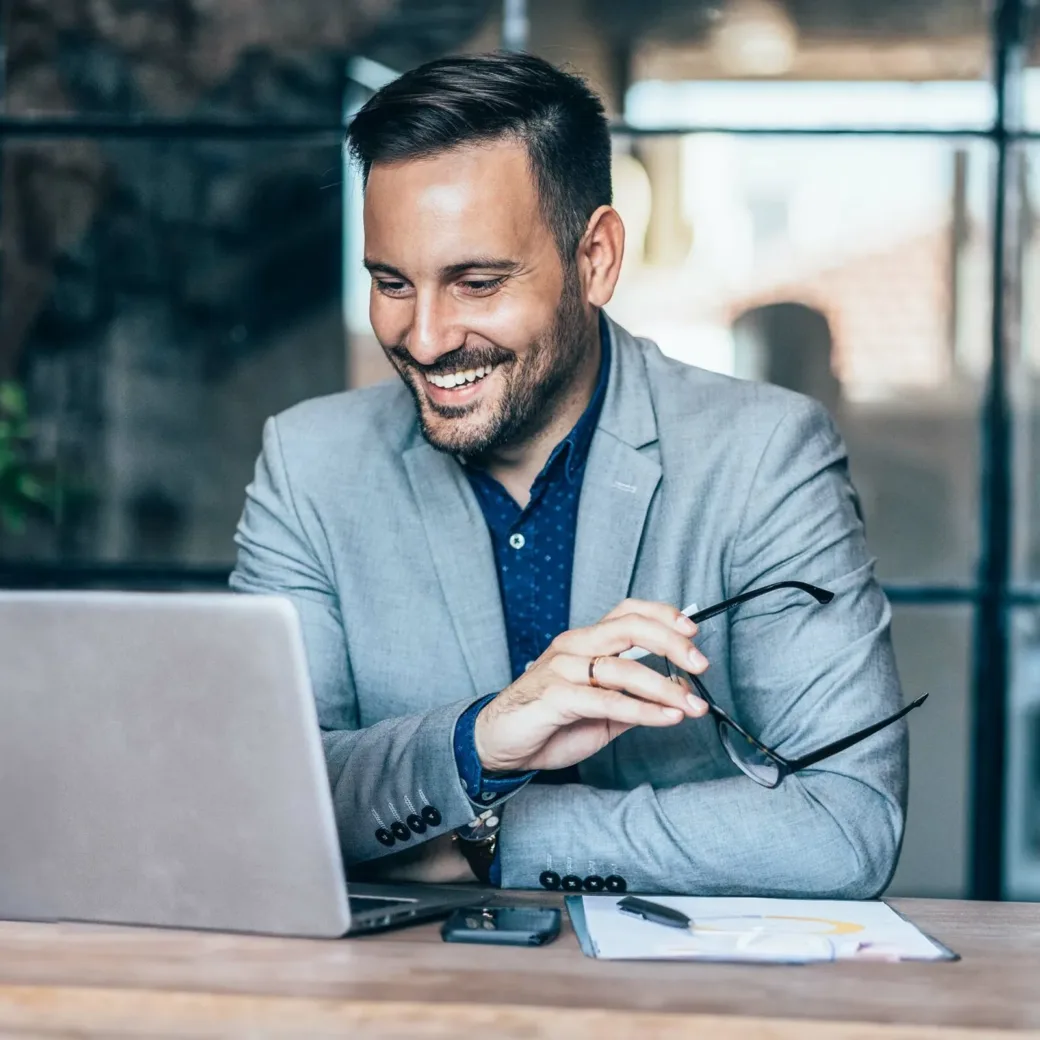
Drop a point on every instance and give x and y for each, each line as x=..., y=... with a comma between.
x=763, y=764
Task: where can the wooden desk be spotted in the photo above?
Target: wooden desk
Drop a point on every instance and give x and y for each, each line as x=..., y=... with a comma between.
x=77, y=980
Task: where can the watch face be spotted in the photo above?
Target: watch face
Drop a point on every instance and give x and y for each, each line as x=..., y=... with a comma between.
x=480, y=855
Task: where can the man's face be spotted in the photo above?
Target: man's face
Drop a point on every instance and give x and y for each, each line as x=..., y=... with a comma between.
x=470, y=300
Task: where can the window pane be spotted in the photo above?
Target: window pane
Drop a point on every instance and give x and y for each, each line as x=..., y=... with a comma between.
x=160, y=299
x=268, y=59
x=1022, y=822
x=855, y=270
x=939, y=51
x=1025, y=372
x=933, y=648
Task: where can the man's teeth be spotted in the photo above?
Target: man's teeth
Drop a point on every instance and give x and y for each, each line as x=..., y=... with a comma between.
x=453, y=379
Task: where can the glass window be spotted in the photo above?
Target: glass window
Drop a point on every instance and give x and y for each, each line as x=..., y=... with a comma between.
x=914, y=64
x=933, y=648
x=1022, y=842
x=262, y=59
x=856, y=270
x=161, y=299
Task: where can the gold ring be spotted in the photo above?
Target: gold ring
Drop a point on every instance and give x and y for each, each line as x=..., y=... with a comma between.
x=593, y=681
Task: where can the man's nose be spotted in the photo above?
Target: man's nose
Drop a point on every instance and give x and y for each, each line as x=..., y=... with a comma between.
x=434, y=331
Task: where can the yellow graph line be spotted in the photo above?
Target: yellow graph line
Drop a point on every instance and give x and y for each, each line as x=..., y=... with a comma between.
x=834, y=927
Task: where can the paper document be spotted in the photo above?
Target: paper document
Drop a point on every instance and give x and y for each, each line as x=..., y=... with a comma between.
x=791, y=931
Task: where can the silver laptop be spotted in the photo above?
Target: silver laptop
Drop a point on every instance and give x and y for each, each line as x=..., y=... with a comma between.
x=161, y=764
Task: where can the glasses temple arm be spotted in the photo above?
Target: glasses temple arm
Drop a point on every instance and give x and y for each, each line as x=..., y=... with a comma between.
x=818, y=594
x=846, y=742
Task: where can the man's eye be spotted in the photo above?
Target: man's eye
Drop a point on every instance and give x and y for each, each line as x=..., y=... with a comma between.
x=481, y=286
x=390, y=288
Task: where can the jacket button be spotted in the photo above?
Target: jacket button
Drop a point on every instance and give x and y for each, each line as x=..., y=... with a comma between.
x=616, y=883
x=431, y=816
x=571, y=883
x=384, y=837
x=417, y=823
x=400, y=831
x=593, y=883
x=549, y=879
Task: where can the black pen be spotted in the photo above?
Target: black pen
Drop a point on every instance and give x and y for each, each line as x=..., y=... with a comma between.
x=654, y=912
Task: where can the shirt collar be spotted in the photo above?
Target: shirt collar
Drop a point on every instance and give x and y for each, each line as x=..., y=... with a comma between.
x=575, y=446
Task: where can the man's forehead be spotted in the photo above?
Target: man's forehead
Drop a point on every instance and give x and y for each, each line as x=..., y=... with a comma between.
x=489, y=184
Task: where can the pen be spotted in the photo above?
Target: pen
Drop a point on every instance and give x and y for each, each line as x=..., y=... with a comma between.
x=654, y=912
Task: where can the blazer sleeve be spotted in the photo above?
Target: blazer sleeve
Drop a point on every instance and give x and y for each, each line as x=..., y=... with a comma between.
x=801, y=676
x=381, y=774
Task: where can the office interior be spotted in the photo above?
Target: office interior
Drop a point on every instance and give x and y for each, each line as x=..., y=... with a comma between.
x=836, y=196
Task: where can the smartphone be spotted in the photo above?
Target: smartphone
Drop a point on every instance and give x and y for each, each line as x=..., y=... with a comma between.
x=503, y=925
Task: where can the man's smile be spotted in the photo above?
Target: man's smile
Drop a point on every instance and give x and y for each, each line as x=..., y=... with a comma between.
x=459, y=387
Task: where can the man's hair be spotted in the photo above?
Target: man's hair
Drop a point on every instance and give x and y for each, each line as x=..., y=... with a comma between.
x=453, y=102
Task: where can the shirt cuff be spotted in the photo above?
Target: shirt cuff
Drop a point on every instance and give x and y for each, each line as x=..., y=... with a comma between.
x=481, y=790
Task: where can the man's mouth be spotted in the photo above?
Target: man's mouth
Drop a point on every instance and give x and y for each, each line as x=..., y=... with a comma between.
x=463, y=377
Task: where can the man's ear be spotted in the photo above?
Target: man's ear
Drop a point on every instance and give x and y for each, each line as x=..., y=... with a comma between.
x=599, y=255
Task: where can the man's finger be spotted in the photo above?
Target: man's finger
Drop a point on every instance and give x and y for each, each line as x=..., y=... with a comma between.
x=663, y=612
x=631, y=677
x=610, y=638
x=575, y=703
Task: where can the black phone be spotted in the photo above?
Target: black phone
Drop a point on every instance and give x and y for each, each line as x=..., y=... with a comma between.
x=503, y=925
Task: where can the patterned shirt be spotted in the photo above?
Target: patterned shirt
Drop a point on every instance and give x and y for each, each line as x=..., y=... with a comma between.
x=534, y=556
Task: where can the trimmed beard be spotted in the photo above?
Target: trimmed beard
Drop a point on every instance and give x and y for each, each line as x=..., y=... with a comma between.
x=534, y=386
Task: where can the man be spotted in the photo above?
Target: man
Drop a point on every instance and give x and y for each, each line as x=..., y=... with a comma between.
x=471, y=548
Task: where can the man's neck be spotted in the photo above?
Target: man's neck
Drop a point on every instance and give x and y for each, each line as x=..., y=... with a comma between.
x=516, y=468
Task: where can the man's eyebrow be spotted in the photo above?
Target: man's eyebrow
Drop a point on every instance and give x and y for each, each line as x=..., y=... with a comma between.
x=379, y=266
x=480, y=263
x=476, y=263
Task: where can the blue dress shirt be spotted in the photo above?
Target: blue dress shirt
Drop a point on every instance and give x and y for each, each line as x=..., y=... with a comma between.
x=534, y=556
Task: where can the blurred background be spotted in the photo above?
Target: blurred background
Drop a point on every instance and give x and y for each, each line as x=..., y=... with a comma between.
x=837, y=196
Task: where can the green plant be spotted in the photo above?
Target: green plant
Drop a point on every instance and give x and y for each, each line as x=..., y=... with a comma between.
x=26, y=489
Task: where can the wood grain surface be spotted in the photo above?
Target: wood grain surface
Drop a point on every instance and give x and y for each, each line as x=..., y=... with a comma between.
x=86, y=980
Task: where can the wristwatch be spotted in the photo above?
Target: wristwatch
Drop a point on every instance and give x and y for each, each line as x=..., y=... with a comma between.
x=479, y=854
x=478, y=840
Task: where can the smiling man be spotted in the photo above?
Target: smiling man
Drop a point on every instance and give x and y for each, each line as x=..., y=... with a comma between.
x=481, y=551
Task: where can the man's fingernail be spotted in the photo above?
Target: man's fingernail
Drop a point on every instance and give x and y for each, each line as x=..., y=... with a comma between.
x=673, y=713
x=696, y=703
x=685, y=625
x=697, y=659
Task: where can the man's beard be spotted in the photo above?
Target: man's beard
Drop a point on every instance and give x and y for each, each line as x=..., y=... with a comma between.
x=534, y=385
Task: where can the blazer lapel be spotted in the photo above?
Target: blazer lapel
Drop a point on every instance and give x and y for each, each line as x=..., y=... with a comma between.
x=460, y=547
x=621, y=478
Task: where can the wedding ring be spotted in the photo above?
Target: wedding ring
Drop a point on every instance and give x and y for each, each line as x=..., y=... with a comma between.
x=593, y=681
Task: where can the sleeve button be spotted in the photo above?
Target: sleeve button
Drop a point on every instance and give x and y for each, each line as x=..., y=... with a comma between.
x=431, y=815
x=593, y=883
x=571, y=883
x=616, y=883
x=384, y=837
x=417, y=823
x=549, y=879
x=400, y=831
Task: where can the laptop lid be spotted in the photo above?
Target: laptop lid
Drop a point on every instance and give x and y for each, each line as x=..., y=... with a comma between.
x=161, y=764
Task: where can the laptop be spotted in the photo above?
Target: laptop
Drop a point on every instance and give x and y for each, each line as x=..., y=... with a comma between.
x=161, y=764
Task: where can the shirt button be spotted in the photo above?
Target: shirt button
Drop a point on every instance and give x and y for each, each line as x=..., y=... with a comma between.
x=517, y=540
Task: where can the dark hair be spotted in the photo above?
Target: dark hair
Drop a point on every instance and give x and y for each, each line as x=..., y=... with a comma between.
x=467, y=100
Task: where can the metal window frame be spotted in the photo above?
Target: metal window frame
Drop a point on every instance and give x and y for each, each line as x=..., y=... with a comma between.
x=993, y=593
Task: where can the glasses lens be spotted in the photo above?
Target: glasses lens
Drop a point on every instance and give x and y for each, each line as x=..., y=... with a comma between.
x=750, y=759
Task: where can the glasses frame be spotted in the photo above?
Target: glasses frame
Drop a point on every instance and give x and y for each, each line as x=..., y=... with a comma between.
x=785, y=766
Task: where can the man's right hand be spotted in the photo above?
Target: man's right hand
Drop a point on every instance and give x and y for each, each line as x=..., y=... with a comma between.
x=553, y=716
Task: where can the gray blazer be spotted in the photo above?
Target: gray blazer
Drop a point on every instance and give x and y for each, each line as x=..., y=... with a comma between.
x=697, y=487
